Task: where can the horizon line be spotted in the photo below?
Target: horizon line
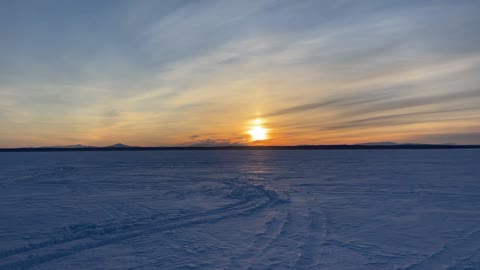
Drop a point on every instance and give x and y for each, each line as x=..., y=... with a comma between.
x=360, y=146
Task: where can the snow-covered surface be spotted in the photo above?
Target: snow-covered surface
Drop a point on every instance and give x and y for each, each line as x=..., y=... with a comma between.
x=379, y=209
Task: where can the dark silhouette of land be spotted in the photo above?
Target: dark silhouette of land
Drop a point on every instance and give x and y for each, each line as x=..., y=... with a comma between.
x=122, y=147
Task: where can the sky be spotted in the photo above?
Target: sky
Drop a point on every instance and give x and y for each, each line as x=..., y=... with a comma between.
x=175, y=73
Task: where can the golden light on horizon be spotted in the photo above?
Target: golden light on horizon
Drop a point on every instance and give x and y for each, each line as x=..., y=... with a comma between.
x=258, y=132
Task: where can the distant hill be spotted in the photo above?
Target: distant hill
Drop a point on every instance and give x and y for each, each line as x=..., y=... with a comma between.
x=378, y=143
x=69, y=146
x=74, y=146
x=118, y=145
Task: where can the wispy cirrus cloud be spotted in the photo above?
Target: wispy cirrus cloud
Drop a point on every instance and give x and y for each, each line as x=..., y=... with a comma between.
x=163, y=70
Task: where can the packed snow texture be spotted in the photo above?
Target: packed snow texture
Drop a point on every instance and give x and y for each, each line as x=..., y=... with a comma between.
x=378, y=209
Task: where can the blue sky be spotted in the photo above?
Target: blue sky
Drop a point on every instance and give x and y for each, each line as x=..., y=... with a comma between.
x=189, y=72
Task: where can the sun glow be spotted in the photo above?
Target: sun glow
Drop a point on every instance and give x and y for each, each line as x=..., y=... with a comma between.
x=258, y=132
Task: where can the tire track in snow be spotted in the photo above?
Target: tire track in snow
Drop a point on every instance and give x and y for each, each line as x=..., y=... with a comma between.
x=460, y=249
x=252, y=199
x=86, y=230
x=256, y=253
x=35, y=174
x=317, y=236
x=274, y=228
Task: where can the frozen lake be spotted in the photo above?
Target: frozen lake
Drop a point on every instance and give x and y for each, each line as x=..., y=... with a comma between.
x=264, y=209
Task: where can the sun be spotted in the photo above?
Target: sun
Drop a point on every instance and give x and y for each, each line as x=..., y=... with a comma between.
x=258, y=132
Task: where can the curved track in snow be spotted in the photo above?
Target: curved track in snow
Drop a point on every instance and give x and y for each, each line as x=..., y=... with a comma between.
x=251, y=198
